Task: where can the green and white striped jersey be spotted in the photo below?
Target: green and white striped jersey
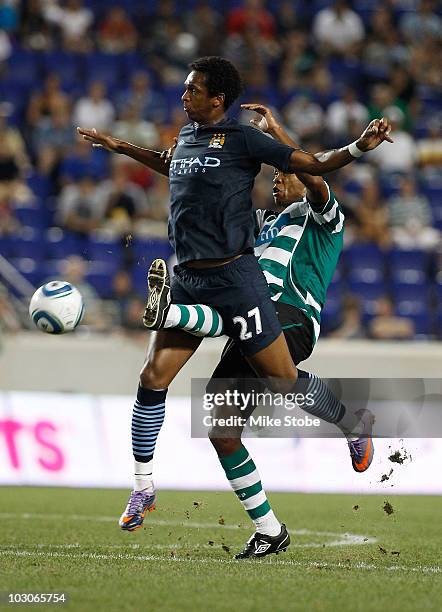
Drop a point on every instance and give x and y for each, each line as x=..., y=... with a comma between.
x=298, y=252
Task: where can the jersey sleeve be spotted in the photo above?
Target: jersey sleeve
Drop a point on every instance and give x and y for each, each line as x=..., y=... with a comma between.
x=331, y=216
x=266, y=150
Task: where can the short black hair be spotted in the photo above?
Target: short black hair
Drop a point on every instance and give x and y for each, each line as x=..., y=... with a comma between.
x=221, y=77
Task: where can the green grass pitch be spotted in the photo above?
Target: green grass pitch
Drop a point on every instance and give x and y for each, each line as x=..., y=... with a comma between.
x=347, y=553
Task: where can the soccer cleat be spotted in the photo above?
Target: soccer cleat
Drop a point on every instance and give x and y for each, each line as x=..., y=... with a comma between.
x=139, y=503
x=362, y=449
x=261, y=544
x=158, y=299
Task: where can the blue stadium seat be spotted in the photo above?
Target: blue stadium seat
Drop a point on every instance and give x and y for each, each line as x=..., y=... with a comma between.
x=30, y=244
x=390, y=183
x=412, y=301
x=369, y=294
x=436, y=210
x=39, y=184
x=67, y=66
x=105, y=250
x=24, y=68
x=331, y=315
x=100, y=276
x=61, y=244
x=408, y=267
x=104, y=67
x=7, y=246
x=17, y=96
x=403, y=292
x=365, y=264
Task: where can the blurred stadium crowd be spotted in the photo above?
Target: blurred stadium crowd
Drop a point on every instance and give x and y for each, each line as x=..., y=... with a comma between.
x=327, y=68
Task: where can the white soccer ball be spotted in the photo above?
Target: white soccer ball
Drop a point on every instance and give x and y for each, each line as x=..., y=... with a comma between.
x=57, y=307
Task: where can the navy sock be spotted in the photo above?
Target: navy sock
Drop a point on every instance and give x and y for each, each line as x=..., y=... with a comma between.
x=147, y=420
x=326, y=406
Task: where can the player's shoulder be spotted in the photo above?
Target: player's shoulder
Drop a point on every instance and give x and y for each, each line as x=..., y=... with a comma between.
x=252, y=132
x=186, y=130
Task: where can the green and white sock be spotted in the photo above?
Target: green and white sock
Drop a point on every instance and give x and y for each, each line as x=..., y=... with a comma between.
x=244, y=479
x=197, y=319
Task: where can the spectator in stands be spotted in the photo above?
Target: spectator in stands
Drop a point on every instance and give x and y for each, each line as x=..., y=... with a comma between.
x=351, y=327
x=8, y=16
x=52, y=138
x=410, y=218
x=82, y=160
x=304, y=117
x=35, y=32
x=206, y=24
x=372, y=215
x=429, y=149
x=386, y=325
x=5, y=48
x=252, y=53
x=117, y=33
x=47, y=101
x=287, y=18
x=298, y=60
x=122, y=293
x=95, y=110
x=344, y=110
x=73, y=20
x=123, y=202
x=74, y=270
x=9, y=224
x=14, y=163
x=142, y=95
x=131, y=127
x=132, y=322
x=338, y=29
x=421, y=24
x=402, y=155
x=252, y=15
x=168, y=131
x=159, y=200
x=383, y=48
x=80, y=208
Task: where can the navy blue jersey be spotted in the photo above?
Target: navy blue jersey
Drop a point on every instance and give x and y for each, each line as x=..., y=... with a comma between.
x=211, y=178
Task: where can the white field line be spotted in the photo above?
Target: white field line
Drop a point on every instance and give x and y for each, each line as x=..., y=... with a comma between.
x=340, y=539
x=421, y=569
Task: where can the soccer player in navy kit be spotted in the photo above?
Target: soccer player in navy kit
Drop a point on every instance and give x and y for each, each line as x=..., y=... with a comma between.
x=211, y=227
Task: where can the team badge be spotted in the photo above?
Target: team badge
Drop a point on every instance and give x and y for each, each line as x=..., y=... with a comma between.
x=217, y=141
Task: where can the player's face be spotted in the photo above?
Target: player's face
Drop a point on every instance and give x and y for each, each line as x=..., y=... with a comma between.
x=197, y=103
x=287, y=188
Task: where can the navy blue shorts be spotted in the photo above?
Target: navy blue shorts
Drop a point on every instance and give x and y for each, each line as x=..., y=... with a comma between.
x=239, y=291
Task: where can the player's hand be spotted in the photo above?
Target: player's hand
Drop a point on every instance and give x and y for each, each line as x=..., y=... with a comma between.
x=100, y=140
x=374, y=134
x=167, y=154
x=266, y=122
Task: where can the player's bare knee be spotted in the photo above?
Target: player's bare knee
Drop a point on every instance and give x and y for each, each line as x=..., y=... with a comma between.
x=224, y=446
x=153, y=378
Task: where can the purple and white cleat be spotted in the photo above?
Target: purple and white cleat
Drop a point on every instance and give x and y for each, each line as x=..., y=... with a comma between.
x=139, y=503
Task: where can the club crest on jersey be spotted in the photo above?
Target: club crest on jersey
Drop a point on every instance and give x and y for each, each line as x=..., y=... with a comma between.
x=217, y=141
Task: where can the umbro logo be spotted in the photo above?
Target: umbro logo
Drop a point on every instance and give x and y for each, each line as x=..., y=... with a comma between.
x=261, y=549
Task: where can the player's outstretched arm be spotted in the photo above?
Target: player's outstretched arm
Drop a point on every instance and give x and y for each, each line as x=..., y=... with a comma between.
x=156, y=160
x=317, y=190
x=374, y=134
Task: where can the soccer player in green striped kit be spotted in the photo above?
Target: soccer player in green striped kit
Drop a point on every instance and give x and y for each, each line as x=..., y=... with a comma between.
x=298, y=251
